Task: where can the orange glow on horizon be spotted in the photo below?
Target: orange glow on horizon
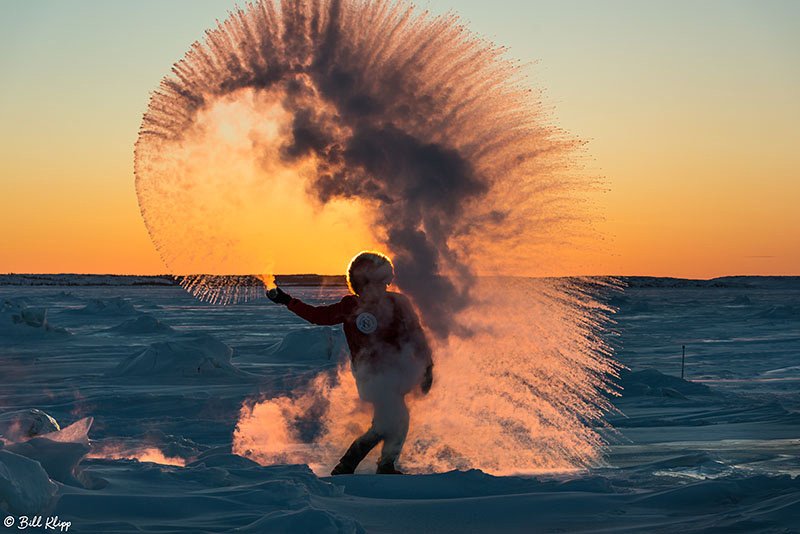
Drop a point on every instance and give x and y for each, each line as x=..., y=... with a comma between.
x=69, y=211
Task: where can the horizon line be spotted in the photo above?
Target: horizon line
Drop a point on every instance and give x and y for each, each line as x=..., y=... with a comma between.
x=175, y=276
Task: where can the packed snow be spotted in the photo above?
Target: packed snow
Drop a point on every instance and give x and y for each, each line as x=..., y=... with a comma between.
x=126, y=424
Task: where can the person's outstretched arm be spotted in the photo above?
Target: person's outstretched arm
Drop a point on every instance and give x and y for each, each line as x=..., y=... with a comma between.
x=320, y=315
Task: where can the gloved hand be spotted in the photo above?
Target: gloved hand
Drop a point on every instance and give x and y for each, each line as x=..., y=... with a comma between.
x=427, y=380
x=278, y=296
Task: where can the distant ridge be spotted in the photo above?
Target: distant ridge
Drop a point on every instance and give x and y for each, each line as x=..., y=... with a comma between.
x=66, y=279
x=310, y=280
x=13, y=279
x=723, y=281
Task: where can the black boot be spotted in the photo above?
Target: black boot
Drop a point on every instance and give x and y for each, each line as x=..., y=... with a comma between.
x=342, y=469
x=357, y=452
x=387, y=468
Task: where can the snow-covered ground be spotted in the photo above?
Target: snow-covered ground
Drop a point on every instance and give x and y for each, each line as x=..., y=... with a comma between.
x=155, y=375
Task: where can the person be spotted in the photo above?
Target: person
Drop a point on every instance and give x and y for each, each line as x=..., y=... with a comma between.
x=389, y=354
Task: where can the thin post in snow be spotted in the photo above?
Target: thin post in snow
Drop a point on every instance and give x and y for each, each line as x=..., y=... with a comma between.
x=683, y=359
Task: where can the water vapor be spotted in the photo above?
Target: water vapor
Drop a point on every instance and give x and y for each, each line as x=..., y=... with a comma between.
x=310, y=122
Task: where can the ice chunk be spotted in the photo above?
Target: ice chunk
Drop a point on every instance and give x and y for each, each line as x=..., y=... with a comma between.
x=24, y=424
x=16, y=319
x=25, y=487
x=59, y=452
x=77, y=432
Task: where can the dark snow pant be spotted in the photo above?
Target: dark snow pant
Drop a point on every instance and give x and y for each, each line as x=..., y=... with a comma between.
x=390, y=425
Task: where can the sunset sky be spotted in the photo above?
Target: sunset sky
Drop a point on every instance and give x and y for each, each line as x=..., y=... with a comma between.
x=691, y=110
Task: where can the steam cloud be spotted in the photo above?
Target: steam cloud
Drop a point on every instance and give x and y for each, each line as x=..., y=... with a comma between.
x=430, y=136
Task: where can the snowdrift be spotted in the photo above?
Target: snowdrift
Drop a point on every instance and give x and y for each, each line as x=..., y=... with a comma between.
x=651, y=382
x=461, y=484
x=191, y=356
x=143, y=324
x=150, y=446
x=219, y=492
x=309, y=344
x=306, y=519
x=116, y=306
x=782, y=312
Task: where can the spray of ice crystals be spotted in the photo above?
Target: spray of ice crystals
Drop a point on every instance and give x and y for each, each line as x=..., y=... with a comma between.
x=368, y=118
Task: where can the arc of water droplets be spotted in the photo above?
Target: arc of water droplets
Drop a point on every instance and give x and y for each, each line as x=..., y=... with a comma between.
x=457, y=169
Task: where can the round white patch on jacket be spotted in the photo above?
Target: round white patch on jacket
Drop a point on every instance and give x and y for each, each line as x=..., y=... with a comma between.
x=366, y=322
